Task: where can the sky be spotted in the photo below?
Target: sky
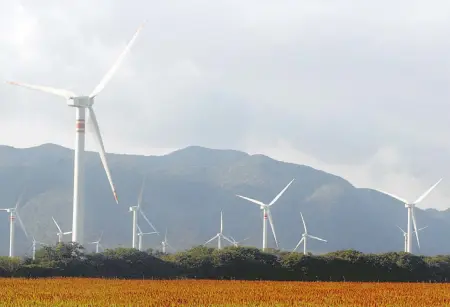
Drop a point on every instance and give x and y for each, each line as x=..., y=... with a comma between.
x=355, y=88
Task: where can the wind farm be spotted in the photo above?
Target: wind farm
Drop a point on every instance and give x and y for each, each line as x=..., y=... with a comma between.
x=241, y=154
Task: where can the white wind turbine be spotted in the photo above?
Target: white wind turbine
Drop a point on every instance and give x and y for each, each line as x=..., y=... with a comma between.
x=135, y=210
x=305, y=237
x=33, y=247
x=220, y=235
x=411, y=216
x=60, y=233
x=81, y=103
x=165, y=244
x=97, y=243
x=266, y=214
x=237, y=243
x=141, y=234
x=405, y=235
x=13, y=213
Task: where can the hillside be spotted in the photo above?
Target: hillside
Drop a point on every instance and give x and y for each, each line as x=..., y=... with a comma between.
x=185, y=191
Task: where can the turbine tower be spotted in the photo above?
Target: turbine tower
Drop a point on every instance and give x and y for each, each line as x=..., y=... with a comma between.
x=411, y=216
x=405, y=235
x=141, y=234
x=13, y=213
x=81, y=103
x=305, y=236
x=97, y=243
x=135, y=210
x=60, y=233
x=267, y=215
x=33, y=247
x=220, y=235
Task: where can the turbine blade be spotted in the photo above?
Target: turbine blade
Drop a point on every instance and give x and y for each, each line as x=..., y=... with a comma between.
x=56, y=224
x=422, y=228
x=101, y=235
x=165, y=236
x=19, y=200
x=141, y=193
x=147, y=220
x=281, y=193
x=317, y=238
x=58, y=92
x=139, y=229
x=21, y=224
x=272, y=227
x=393, y=196
x=304, y=224
x=252, y=200
x=415, y=226
x=401, y=229
x=67, y=233
x=226, y=238
x=170, y=246
x=298, y=244
x=210, y=240
x=427, y=192
x=221, y=222
x=99, y=141
x=116, y=64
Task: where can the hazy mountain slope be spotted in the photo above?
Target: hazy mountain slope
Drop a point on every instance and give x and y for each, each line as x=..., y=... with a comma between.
x=186, y=190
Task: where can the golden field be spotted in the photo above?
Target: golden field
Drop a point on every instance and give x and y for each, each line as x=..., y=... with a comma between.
x=103, y=292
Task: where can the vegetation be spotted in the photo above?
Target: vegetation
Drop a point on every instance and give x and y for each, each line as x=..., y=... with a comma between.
x=237, y=263
x=83, y=292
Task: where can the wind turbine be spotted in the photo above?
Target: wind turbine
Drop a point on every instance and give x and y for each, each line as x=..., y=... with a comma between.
x=141, y=234
x=33, y=247
x=165, y=244
x=305, y=236
x=237, y=243
x=220, y=235
x=81, y=103
x=60, y=233
x=13, y=213
x=97, y=243
x=135, y=210
x=266, y=214
x=405, y=235
x=411, y=216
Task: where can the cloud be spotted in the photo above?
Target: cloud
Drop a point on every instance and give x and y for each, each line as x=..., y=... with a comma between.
x=358, y=88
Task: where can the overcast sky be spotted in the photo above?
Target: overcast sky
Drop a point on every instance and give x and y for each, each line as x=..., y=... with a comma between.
x=356, y=88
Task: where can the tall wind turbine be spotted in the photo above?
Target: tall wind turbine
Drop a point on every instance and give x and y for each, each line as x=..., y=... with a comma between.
x=220, y=235
x=411, y=216
x=97, y=243
x=141, y=234
x=165, y=244
x=266, y=214
x=135, y=210
x=60, y=233
x=81, y=103
x=13, y=213
x=405, y=235
x=305, y=236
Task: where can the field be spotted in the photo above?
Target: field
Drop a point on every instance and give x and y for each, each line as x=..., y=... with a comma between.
x=106, y=293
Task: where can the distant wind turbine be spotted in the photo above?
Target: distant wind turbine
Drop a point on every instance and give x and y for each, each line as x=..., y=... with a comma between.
x=266, y=214
x=405, y=235
x=305, y=237
x=60, y=233
x=81, y=103
x=165, y=244
x=411, y=216
x=13, y=213
x=135, y=210
x=97, y=243
x=237, y=243
x=141, y=234
x=33, y=247
x=219, y=236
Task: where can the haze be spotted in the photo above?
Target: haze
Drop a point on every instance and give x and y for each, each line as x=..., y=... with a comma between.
x=356, y=89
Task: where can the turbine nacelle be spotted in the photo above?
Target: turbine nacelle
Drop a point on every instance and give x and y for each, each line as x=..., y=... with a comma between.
x=80, y=102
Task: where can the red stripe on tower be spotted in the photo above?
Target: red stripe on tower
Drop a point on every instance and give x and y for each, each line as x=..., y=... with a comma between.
x=80, y=125
x=265, y=216
x=12, y=218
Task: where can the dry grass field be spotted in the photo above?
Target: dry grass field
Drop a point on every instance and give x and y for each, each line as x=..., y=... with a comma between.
x=107, y=293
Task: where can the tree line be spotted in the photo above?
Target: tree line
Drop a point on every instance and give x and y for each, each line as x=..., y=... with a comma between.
x=243, y=263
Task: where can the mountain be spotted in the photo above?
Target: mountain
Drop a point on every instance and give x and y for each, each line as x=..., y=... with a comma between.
x=185, y=192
